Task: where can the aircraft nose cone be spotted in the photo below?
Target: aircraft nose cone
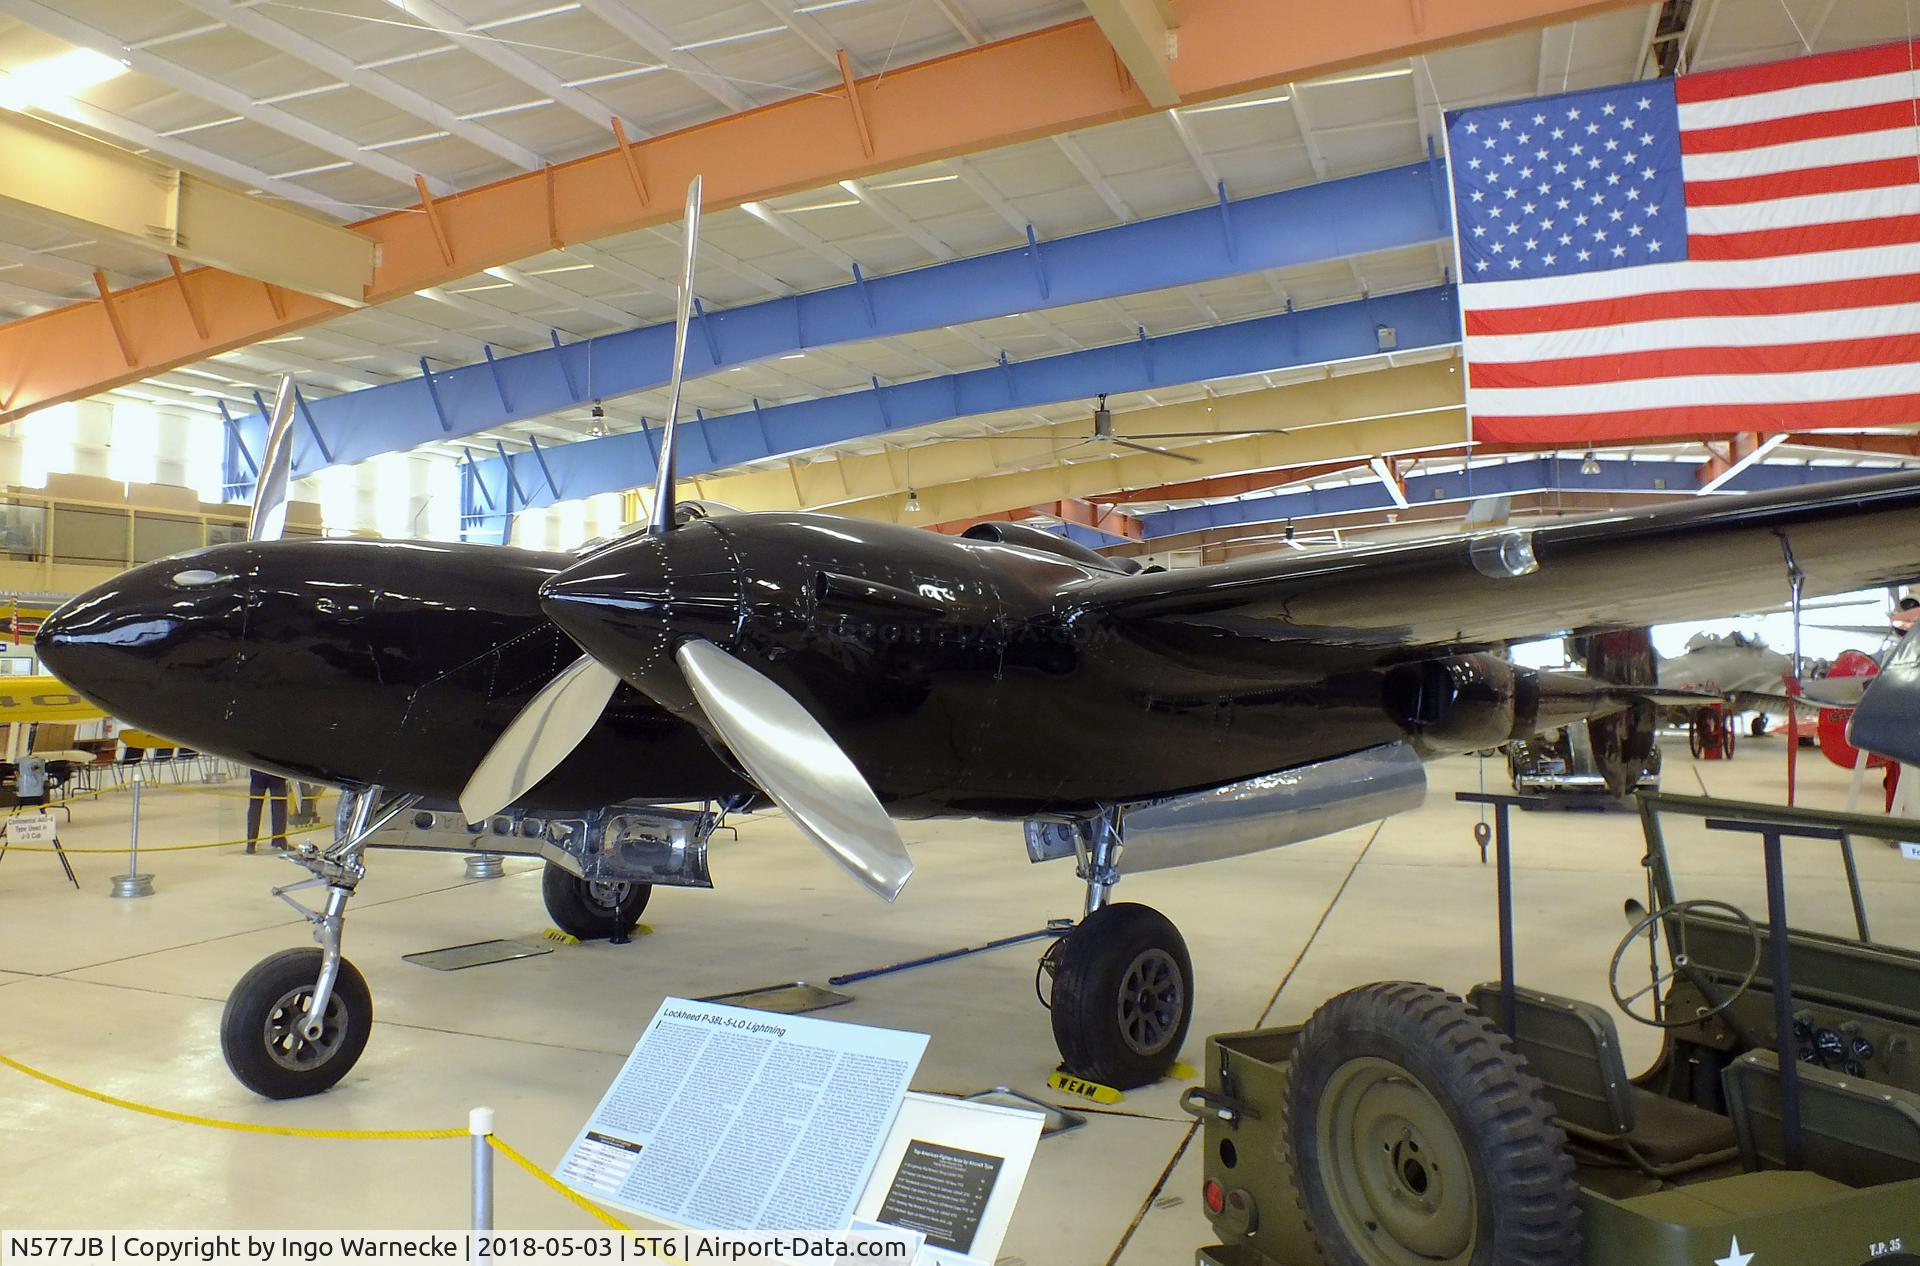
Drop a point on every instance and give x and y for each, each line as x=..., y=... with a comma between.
x=631, y=604
x=155, y=645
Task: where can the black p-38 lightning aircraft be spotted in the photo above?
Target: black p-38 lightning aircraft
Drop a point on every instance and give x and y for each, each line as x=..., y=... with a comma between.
x=856, y=672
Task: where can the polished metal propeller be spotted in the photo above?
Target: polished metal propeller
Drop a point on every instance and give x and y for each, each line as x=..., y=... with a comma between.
x=796, y=761
x=267, y=521
x=787, y=752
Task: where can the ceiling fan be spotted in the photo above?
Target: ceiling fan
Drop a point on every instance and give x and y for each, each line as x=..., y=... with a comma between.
x=1103, y=434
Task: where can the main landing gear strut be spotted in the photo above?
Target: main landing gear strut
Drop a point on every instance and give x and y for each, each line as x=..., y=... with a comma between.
x=1122, y=993
x=298, y=1021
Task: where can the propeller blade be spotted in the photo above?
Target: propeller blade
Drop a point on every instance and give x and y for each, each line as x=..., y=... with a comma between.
x=551, y=725
x=267, y=521
x=661, y=520
x=797, y=763
x=1148, y=448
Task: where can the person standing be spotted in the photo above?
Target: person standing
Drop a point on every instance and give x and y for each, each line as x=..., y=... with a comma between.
x=262, y=788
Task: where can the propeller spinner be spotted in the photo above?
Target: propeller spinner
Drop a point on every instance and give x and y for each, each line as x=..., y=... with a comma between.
x=646, y=610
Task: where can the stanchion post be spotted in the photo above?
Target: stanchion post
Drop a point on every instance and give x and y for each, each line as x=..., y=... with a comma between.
x=1503, y=881
x=133, y=883
x=480, y=1126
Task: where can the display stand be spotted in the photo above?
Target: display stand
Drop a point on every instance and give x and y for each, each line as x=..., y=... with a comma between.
x=36, y=829
x=725, y=1119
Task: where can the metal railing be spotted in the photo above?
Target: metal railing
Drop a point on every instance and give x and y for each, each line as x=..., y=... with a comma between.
x=45, y=532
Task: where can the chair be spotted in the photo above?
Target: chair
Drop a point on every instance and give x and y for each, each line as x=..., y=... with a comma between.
x=1859, y=1132
x=1574, y=1049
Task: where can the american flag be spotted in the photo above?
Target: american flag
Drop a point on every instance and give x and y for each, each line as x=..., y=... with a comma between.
x=1727, y=251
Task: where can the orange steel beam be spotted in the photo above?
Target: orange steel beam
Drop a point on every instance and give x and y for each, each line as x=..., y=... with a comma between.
x=1739, y=445
x=997, y=94
x=186, y=297
x=1088, y=514
x=114, y=318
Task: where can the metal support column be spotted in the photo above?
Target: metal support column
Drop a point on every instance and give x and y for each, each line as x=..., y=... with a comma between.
x=1503, y=878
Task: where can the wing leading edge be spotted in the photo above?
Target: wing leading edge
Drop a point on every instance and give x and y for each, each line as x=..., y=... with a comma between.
x=1715, y=556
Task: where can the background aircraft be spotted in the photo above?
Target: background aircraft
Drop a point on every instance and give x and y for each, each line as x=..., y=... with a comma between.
x=855, y=672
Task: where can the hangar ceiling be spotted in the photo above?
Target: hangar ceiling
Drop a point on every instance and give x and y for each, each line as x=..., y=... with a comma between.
x=350, y=108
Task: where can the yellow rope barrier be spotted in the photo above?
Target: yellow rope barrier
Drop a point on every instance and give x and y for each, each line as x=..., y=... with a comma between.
x=505, y=1149
x=215, y=1123
x=291, y=1131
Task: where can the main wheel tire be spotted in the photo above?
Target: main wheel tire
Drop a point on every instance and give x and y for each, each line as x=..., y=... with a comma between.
x=1122, y=996
x=1757, y=728
x=259, y=1030
x=592, y=909
x=1418, y=1138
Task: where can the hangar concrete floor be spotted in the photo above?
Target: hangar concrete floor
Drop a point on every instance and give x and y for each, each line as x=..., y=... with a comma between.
x=125, y=996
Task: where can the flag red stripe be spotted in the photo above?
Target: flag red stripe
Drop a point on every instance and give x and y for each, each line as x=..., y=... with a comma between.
x=1696, y=419
x=1884, y=173
x=1799, y=127
x=1805, y=239
x=1857, y=63
x=1678, y=362
x=1819, y=296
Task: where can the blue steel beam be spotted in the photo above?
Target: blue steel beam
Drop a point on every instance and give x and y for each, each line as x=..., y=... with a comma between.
x=1493, y=479
x=1310, y=336
x=1382, y=210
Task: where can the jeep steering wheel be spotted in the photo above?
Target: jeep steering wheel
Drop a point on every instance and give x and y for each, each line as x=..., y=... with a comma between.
x=1683, y=963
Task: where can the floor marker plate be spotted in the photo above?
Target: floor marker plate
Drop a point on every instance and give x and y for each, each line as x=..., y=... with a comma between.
x=796, y=997
x=478, y=954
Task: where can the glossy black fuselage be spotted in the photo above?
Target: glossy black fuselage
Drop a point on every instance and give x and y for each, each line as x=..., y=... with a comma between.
x=962, y=677
x=965, y=677
x=356, y=663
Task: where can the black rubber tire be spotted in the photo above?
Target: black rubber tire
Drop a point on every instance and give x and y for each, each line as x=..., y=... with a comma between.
x=1757, y=728
x=577, y=912
x=1095, y=963
x=258, y=998
x=1525, y=1210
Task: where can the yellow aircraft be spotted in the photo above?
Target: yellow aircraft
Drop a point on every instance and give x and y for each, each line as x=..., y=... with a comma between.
x=29, y=699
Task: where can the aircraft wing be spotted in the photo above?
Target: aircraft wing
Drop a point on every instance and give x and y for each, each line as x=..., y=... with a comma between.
x=24, y=699
x=1712, y=556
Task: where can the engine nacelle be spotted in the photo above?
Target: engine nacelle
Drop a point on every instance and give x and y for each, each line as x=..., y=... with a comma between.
x=1462, y=702
x=1033, y=538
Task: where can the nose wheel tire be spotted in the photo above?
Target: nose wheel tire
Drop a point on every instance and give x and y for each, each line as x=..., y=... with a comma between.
x=1122, y=996
x=262, y=1030
x=1418, y=1137
x=592, y=909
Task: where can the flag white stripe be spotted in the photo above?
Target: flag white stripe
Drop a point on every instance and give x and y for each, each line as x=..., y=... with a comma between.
x=1785, y=103
x=1791, y=329
x=1863, y=383
x=1819, y=208
x=1830, y=151
x=1709, y=274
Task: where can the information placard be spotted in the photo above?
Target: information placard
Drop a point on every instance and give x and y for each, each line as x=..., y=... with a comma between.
x=729, y=1119
x=30, y=828
x=952, y=1170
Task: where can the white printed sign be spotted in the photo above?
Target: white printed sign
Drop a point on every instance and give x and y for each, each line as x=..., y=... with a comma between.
x=734, y=1120
x=30, y=828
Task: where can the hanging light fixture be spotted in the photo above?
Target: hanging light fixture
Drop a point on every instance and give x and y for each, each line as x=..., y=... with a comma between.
x=913, y=502
x=1590, y=465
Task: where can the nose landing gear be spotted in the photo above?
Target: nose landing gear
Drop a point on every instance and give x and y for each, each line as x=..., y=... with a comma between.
x=297, y=1022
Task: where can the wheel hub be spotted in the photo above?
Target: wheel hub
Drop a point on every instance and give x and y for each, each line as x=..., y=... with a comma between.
x=1397, y=1172
x=608, y=893
x=1151, y=1001
x=285, y=1030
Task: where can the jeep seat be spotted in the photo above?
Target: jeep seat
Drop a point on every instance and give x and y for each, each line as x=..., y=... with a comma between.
x=1859, y=1132
x=1574, y=1049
